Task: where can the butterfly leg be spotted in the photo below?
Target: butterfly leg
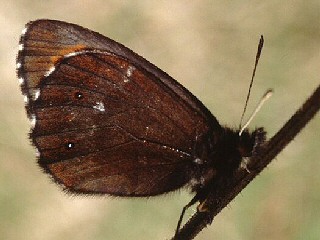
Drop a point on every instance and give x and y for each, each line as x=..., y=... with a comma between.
x=193, y=201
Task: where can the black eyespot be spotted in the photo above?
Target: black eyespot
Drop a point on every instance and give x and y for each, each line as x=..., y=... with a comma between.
x=69, y=145
x=78, y=95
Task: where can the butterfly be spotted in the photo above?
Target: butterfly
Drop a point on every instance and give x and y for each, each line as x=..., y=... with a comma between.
x=106, y=121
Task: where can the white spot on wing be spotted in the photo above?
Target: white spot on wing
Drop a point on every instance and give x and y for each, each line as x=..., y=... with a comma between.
x=21, y=80
x=25, y=99
x=20, y=47
x=37, y=153
x=72, y=54
x=198, y=161
x=130, y=71
x=23, y=32
x=18, y=65
x=99, y=106
x=50, y=71
x=33, y=120
x=36, y=94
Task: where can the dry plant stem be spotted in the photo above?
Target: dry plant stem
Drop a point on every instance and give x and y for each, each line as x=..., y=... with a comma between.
x=218, y=198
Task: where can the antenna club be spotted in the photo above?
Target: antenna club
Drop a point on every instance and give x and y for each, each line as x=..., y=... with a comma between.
x=269, y=93
x=264, y=98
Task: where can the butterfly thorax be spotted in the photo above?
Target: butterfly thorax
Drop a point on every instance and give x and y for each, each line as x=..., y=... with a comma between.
x=223, y=155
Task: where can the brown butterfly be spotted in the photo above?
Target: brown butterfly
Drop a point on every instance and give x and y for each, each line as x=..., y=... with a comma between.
x=107, y=121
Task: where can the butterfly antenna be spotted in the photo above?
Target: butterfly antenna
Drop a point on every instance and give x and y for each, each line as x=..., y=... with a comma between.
x=264, y=98
x=260, y=46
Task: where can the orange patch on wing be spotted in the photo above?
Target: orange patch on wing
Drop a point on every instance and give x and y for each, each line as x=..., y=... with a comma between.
x=67, y=50
x=74, y=48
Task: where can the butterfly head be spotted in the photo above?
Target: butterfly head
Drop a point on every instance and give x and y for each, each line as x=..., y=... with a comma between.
x=231, y=148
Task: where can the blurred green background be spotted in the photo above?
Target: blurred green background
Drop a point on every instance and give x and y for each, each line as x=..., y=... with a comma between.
x=209, y=47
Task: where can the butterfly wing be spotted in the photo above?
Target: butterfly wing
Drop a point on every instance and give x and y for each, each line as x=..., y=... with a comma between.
x=106, y=120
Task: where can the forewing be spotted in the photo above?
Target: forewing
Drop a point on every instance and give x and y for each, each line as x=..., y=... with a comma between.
x=44, y=42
